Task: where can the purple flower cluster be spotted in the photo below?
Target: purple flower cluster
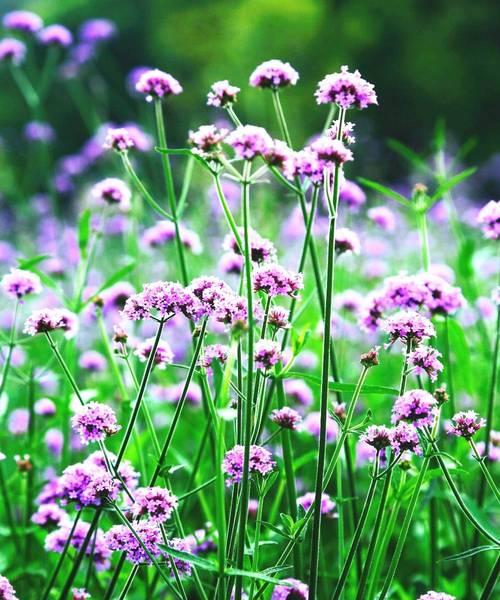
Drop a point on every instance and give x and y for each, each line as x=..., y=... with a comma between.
x=214, y=352
x=12, y=50
x=296, y=591
x=408, y=326
x=274, y=74
x=489, y=219
x=278, y=317
x=267, y=353
x=22, y=21
x=207, y=140
x=261, y=463
x=352, y=195
x=331, y=151
x=377, y=436
x=94, y=31
x=347, y=241
x=94, y=422
x=7, y=592
x=120, y=538
x=425, y=359
x=249, y=141
x=39, y=131
x=157, y=84
x=52, y=319
x=119, y=139
x=222, y=94
x=155, y=502
x=383, y=217
x=286, y=417
x=417, y=407
x=55, y=35
x=275, y=280
x=261, y=249
x=327, y=504
x=93, y=361
x=312, y=426
x=346, y=89
x=49, y=515
x=86, y=484
x=113, y=191
x=163, y=357
x=163, y=232
x=80, y=594
x=466, y=424
x=19, y=283
x=404, y=438
x=298, y=390
x=436, y=596
x=183, y=566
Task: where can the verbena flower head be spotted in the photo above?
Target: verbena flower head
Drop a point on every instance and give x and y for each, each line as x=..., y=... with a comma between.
x=119, y=139
x=52, y=319
x=249, y=141
x=489, y=219
x=404, y=437
x=86, y=484
x=267, y=354
x=183, y=566
x=98, y=549
x=466, y=424
x=38, y=131
x=493, y=447
x=157, y=84
x=94, y=422
x=12, y=50
x=425, y=359
x=327, y=504
x=80, y=594
x=304, y=163
x=49, y=516
x=298, y=390
x=351, y=194
x=207, y=140
x=222, y=94
x=377, y=436
x=312, y=426
x=347, y=132
x=22, y=20
x=408, y=326
x=121, y=539
x=347, y=241
x=278, y=154
x=19, y=283
x=440, y=297
x=156, y=503
x=296, y=591
x=93, y=361
x=7, y=592
x=163, y=232
x=126, y=471
x=55, y=35
x=331, y=152
x=45, y=407
x=346, y=89
x=214, y=352
x=94, y=31
x=261, y=463
x=261, y=249
x=275, y=280
x=162, y=299
x=274, y=74
x=286, y=417
x=113, y=191
x=278, y=317
x=417, y=407
x=163, y=357
x=436, y=596
x=372, y=312
x=383, y=217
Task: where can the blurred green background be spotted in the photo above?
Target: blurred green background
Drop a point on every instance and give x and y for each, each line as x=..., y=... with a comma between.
x=427, y=58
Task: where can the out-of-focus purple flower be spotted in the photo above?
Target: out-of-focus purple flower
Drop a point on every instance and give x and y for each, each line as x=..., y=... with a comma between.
x=155, y=502
x=275, y=280
x=163, y=357
x=331, y=152
x=49, y=515
x=404, y=437
x=163, y=232
x=249, y=141
x=489, y=219
x=261, y=249
x=22, y=20
x=351, y=194
x=215, y=352
x=436, y=596
x=231, y=263
x=133, y=77
x=54, y=440
x=346, y=89
x=261, y=463
x=115, y=297
x=347, y=240
x=372, y=312
x=94, y=422
x=383, y=217
x=278, y=154
x=98, y=549
x=426, y=359
x=273, y=74
x=222, y=94
x=158, y=84
x=207, y=140
x=18, y=422
x=56, y=35
x=12, y=50
x=7, y=592
x=45, y=407
x=377, y=436
x=327, y=504
x=296, y=591
x=286, y=417
x=441, y=297
x=173, y=393
x=51, y=319
x=94, y=31
x=466, y=424
x=493, y=449
x=299, y=391
x=80, y=594
x=408, y=326
x=349, y=300
x=121, y=539
x=417, y=407
x=364, y=453
x=118, y=139
x=312, y=426
x=304, y=163
x=38, y=131
x=126, y=471
x=93, y=361
x=200, y=542
x=486, y=307
x=113, y=191
x=267, y=354
x=19, y=283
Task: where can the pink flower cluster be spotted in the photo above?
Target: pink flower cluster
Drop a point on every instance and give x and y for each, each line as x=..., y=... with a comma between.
x=466, y=424
x=261, y=463
x=417, y=407
x=157, y=84
x=275, y=280
x=274, y=74
x=489, y=219
x=52, y=319
x=94, y=422
x=19, y=283
x=348, y=90
x=155, y=502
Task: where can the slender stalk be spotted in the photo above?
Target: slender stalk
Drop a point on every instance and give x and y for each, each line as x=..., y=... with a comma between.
x=448, y=365
x=424, y=240
x=8, y=358
x=30, y=475
x=64, y=367
x=9, y=515
x=490, y=585
x=114, y=579
x=433, y=542
x=487, y=475
x=256, y=543
x=227, y=212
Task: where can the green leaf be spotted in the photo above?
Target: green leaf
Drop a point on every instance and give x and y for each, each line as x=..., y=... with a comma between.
x=385, y=191
x=470, y=552
x=117, y=276
x=201, y=563
x=407, y=153
x=27, y=263
x=448, y=185
x=259, y=576
x=4, y=403
x=84, y=231
x=335, y=386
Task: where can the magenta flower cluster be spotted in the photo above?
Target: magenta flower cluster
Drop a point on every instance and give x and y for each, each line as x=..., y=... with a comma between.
x=274, y=74
x=94, y=422
x=267, y=354
x=275, y=280
x=417, y=407
x=466, y=424
x=295, y=590
x=19, y=283
x=156, y=84
x=52, y=319
x=261, y=463
x=286, y=417
x=156, y=503
x=346, y=89
x=408, y=326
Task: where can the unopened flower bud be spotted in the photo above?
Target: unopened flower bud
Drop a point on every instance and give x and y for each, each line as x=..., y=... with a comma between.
x=23, y=463
x=441, y=395
x=370, y=358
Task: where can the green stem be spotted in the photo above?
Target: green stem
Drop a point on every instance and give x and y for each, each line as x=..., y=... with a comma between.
x=487, y=475
x=64, y=367
x=8, y=358
x=449, y=370
x=490, y=585
x=256, y=543
x=227, y=212
x=424, y=240
x=433, y=541
x=8, y=510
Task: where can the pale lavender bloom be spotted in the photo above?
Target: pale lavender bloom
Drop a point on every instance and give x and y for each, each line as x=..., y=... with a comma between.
x=155, y=502
x=372, y=312
x=279, y=317
x=286, y=417
x=222, y=94
x=441, y=297
x=404, y=291
x=436, y=596
x=22, y=20
x=7, y=252
x=115, y=297
x=296, y=591
x=426, y=359
x=94, y=422
x=327, y=504
x=12, y=50
x=96, y=30
x=38, y=131
x=304, y=163
x=18, y=422
x=349, y=300
x=347, y=241
x=364, y=453
x=347, y=132
x=331, y=152
x=347, y=90
x=351, y=194
x=274, y=74
x=214, y=352
x=299, y=391
x=80, y=594
x=489, y=219
x=278, y=154
x=98, y=549
x=163, y=357
x=377, y=436
x=127, y=472
x=51, y=319
x=312, y=426
x=158, y=84
x=383, y=217
x=404, y=437
x=54, y=440
x=50, y=493
x=183, y=567
x=408, y=326
x=56, y=35
x=261, y=249
x=493, y=449
x=261, y=462
x=173, y=393
x=118, y=139
x=93, y=361
x=275, y=280
x=45, y=407
x=163, y=232
x=49, y=515
x=486, y=307
x=207, y=140
x=121, y=539
x=267, y=353
x=113, y=191
x=466, y=424
x=7, y=592
x=249, y=141
x=231, y=263
x=417, y=407
x=200, y=542
x=86, y=484
x=19, y=283
x=164, y=299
